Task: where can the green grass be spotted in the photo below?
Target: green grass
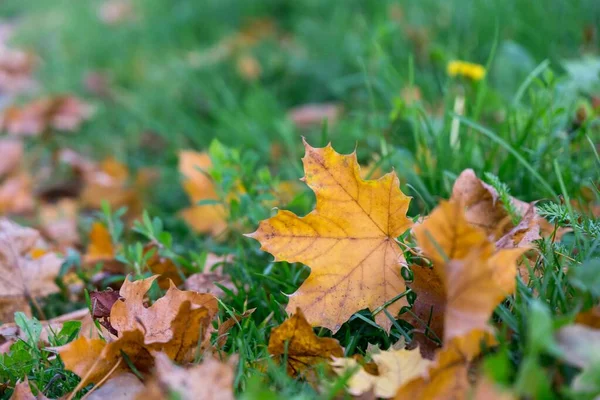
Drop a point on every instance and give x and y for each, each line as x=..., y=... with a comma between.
x=518, y=124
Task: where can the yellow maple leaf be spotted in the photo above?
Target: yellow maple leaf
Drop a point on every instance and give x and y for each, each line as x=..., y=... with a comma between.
x=295, y=339
x=348, y=241
x=394, y=367
x=470, y=277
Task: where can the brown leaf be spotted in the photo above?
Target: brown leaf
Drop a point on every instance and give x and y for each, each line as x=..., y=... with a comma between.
x=210, y=380
x=12, y=154
x=163, y=266
x=309, y=115
x=16, y=194
x=295, y=339
x=61, y=113
x=23, y=392
x=102, y=250
x=447, y=377
x=102, y=303
x=23, y=274
x=469, y=277
x=580, y=344
x=58, y=222
x=123, y=386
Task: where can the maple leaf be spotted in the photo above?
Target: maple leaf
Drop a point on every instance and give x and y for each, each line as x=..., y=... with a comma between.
x=394, y=367
x=469, y=277
x=210, y=380
x=348, y=241
x=58, y=222
x=448, y=376
x=303, y=349
x=174, y=324
x=485, y=210
x=24, y=274
x=204, y=282
x=209, y=218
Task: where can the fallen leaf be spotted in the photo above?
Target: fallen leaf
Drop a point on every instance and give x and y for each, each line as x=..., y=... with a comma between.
x=175, y=324
x=470, y=277
x=303, y=349
x=210, y=380
x=123, y=386
x=248, y=67
x=16, y=194
x=61, y=113
x=110, y=182
x=102, y=303
x=486, y=211
x=590, y=318
x=16, y=70
x=349, y=241
x=448, y=376
x=22, y=276
x=58, y=222
x=101, y=250
x=129, y=313
x=395, y=367
x=580, y=344
x=23, y=392
x=208, y=218
x=308, y=115
x=12, y=154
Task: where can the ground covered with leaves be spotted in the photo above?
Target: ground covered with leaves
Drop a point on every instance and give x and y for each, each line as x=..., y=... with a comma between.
x=268, y=199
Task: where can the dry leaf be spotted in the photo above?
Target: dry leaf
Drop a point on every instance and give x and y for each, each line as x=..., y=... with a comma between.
x=469, y=277
x=204, y=282
x=58, y=222
x=101, y=250
x=16, y=194
x=23, y=274
x=580, y=344
x=395, y=367
x=129, y=313
x=23, y=392
x=210, y=380
x=486, y=211
x=308, y=115
x=123, y=386
x=349, y=240
x=589, y=318
x=12, y=154
x=16, y=70
x=175, y=324
x=447, y=377
x=61, y=113
x=210, y=218
x=110, y=182
x=303, y=349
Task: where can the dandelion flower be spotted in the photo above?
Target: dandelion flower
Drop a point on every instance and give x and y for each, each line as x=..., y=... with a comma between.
x=475, y=72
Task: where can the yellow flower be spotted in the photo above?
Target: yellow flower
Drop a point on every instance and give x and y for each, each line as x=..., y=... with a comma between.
x=469, y=70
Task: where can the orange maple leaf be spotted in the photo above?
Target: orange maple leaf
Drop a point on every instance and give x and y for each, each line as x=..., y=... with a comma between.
x=469, y=276
x=349, y=240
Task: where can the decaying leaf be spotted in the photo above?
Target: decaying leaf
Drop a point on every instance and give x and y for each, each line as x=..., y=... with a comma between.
x=309, y=115
x=349, y=240
x=61, y=113
x=16, y=194
x=23, y=392
x=58, y=222
x=24, y=273
x=204, y=282
x=447, y=377
x=485, y=210
x=110, y=181
x=175, y=324
x=210, y=380
x=122, y=386
x=12, y=154
x=303, y=349
x=469, y=278
x=208, y=218
x=394, y=367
